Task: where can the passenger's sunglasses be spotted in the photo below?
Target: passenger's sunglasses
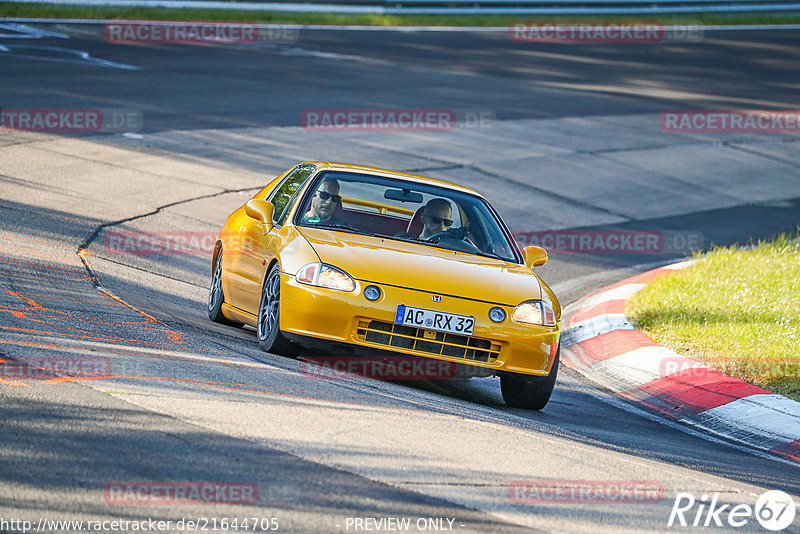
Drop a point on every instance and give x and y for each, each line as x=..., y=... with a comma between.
x=440, y=220
x=325, y=196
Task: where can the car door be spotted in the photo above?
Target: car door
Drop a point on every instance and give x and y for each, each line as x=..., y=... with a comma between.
x=257, y=248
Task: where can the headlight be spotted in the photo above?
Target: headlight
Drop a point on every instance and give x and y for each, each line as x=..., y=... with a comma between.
x=322, y=275
x=534, y=312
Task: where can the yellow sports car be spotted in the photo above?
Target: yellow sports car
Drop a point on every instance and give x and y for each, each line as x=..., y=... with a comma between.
x=372, y=261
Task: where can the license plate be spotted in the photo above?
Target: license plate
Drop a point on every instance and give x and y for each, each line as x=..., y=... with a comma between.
x=435, y=320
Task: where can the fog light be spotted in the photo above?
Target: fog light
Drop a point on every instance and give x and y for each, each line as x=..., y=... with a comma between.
x=372, y=292
x=497, y=315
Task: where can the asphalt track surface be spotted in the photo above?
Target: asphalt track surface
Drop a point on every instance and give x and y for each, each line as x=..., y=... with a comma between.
x=188, y=400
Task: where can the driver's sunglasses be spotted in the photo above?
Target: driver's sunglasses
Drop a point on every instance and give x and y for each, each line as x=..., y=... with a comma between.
x=325, y=196
x=440, y=220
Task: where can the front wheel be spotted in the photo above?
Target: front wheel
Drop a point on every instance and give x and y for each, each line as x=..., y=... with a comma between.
x=530, y=392
x=269, y=334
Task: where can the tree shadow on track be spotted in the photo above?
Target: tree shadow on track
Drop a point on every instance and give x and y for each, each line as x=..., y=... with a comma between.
x=60, y=455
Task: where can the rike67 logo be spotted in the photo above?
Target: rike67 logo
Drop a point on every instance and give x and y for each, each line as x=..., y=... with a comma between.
x=774, y=510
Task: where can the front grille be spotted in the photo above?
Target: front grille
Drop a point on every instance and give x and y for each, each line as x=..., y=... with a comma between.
x=442, y=343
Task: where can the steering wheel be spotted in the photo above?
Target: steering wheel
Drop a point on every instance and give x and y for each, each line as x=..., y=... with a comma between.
x=459, y=234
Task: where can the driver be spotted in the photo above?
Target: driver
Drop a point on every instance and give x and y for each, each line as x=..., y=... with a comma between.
x=324, y=204
x=436, y=217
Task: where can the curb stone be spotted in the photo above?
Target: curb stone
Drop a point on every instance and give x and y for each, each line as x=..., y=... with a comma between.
x=605, y=347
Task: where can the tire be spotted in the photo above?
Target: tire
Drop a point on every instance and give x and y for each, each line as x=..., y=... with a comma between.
x=216, y=297
x=529, y=392
x=270, y=338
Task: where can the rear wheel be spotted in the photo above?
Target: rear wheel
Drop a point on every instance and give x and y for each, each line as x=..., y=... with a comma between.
x=530, y=392
x=216, y=297
x=270, y=338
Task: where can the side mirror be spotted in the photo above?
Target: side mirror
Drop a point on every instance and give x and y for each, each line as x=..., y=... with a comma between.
x=534, y=256
x=260, y=210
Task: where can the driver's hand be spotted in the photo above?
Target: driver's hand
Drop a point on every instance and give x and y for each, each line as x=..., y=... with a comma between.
x=459, y=233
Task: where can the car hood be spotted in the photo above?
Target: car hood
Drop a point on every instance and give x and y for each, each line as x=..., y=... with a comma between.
x=415, y=266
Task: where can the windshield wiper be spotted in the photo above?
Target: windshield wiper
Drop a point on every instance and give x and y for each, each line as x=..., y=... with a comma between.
x=407, y=239
x=348, y=228
x=489, y=255
x=337, y=226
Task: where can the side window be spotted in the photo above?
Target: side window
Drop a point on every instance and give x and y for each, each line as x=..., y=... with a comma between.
x=286, y=191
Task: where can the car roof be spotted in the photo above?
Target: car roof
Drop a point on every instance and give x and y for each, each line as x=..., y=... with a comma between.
x=333, y=166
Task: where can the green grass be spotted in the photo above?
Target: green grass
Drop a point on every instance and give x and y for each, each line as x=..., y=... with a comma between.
x=14, y=10
x=737, y=310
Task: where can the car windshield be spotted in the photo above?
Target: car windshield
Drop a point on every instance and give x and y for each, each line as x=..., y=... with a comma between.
x=398, y=209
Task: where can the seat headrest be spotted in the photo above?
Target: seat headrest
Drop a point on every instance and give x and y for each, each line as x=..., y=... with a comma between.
x=415, y=225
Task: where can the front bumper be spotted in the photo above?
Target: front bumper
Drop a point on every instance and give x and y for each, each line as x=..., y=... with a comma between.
x=349, y=318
